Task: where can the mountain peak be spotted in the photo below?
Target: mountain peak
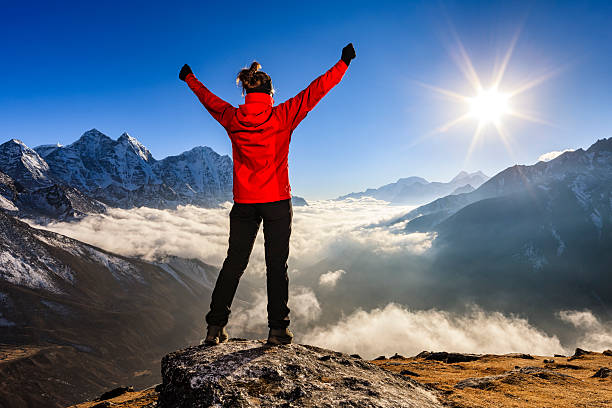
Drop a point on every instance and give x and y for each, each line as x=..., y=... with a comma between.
x=136, y=146
x=23, y=164
x=126, y=136
x=465, y=175
x=14, y=142
x=93, y=135
x=601, y=145
x=462, y=174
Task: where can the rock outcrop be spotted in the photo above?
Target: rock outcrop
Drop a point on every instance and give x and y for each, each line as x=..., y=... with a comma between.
x=248, y=373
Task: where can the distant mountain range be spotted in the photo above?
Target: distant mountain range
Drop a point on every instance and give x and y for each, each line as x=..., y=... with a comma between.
x=94, y=172
x=417, y=190
x=541, y=233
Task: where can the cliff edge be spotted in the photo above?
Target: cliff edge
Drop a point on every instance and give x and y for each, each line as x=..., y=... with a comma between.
x=248, y=373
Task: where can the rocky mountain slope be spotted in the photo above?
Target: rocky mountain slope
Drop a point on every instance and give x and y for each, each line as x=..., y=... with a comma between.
x=417, y=190
x=28, y=189
x=75, y=319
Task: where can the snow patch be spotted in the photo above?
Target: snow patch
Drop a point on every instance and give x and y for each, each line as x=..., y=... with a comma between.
x=172, y=272
x=19, y=272
x=120, y=268
x=7, y=205
x=535, y=257
x=597, y=221
x=561, y=244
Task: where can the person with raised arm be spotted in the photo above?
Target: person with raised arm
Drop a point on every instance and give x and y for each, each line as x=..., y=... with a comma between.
x=260, y=134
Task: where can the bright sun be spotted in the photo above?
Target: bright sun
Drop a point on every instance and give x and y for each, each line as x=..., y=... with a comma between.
x=489, y=106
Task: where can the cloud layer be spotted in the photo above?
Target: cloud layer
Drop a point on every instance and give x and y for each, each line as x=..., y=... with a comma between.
x=596, y=335
x=354, y=286
x=397, y=329
x=193, y=232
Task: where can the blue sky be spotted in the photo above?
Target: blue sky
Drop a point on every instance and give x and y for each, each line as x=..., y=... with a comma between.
x=73, y=66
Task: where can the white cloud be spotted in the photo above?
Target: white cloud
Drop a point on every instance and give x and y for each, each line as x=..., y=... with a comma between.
x=553, y=155
x=253, y=317
x=192, y=232
x=596, y=336
x=397, y=329
x=330, y=278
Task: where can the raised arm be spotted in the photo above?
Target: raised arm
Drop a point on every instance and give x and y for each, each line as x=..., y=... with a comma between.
x=218, y=108
x=294, y=110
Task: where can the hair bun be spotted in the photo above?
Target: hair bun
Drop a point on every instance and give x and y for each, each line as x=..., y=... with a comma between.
x=252, y=78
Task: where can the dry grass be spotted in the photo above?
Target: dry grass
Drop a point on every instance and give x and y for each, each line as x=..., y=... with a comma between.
x=573, y=386
x=137, y=399
x=568, y=384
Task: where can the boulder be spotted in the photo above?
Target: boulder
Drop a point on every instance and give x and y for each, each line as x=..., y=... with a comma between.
x=449, y=357
x=603, y=372
x=249, y=373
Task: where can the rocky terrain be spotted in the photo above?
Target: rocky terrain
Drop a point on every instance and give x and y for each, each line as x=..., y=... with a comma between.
x=248, y=373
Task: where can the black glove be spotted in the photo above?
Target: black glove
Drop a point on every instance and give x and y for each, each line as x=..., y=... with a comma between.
x=348, y=53
x=186, y=70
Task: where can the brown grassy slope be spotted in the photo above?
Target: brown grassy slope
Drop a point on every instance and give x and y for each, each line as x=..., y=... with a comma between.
x=567, y=382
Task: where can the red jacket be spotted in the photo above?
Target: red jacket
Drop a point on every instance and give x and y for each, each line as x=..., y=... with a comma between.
x=260, y=134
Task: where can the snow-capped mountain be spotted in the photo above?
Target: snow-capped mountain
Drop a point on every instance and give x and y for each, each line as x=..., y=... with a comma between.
x=28, y=188
x=198, y=176
x=123, y=173
x=417, y=190
x=23, y=164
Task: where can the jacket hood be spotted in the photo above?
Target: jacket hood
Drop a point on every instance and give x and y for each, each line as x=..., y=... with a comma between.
x=256, y=109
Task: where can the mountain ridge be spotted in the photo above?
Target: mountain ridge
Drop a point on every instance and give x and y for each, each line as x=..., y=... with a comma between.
x=417, y=190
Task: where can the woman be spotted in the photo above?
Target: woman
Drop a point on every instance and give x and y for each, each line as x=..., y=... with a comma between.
x=260, y=133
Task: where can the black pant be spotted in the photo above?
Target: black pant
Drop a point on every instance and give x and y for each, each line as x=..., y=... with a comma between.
x=244, y=224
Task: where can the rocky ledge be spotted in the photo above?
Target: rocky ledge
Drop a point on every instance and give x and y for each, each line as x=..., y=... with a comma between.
x=248, y=373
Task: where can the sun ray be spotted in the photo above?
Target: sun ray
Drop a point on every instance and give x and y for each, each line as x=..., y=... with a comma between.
x=465, y=65
x=445, y=127
x=473, y=143
x=535, y=82
x=504, y=138
x=445, y=92
x=440, y=129
x=463, y=61
x=504, y=65
x=531, y=118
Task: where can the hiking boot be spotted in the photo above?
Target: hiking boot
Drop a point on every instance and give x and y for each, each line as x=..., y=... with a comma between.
x=280, y=336
x=215, y=335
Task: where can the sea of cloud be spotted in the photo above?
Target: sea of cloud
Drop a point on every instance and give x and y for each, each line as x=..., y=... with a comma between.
x=345, y=280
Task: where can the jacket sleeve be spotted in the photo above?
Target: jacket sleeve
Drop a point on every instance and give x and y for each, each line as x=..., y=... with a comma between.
x=294, y=110
x=218, y=108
